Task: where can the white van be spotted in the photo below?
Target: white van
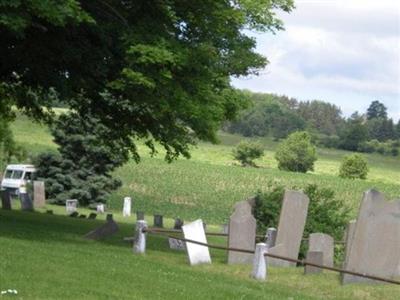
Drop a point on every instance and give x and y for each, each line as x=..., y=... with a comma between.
x=17, y=176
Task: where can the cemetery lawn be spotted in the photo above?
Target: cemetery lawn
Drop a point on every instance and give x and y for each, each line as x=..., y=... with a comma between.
x=207, y=185
x=45, y=257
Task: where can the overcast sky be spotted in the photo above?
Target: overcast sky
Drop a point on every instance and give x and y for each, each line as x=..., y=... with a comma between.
x=344, y=52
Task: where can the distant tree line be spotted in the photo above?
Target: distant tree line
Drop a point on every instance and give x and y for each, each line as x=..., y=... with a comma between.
x=278, y=116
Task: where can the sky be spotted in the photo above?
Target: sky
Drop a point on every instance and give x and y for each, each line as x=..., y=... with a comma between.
x=343, y=52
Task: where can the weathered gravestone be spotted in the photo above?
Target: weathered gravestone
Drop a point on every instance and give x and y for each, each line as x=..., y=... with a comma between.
x=242, y=233
x=176, y=244
x=349, y=234
x=375, y=246
x=323, y=243
x=139, y=215
x=71, y=205
x=106, y=230
x=316, y=257
x=270, y=237
x=126, y=211
x=158, y=221
x=197, y=254
x=178, y=224
x=5, y=199
x=39, y=196
x=292, y=220
x=100, y=208
x=26, y=200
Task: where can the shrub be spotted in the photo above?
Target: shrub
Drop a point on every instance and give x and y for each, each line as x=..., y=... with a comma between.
x=354, y=166
x=247, y=152
x=296, y=153
x=326, y=214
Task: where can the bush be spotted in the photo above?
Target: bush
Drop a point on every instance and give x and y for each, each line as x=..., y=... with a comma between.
x=354, y=166
x=296, y=153
x=326, y=214
x=247, y=152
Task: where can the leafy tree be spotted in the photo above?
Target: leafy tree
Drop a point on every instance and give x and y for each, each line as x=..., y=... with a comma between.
x=354, y=166
x=296, y=153
x=247, y=152
x=376, y=110
x=354, y=133
x=159, y=71
x=82, y=168
x=9, y=149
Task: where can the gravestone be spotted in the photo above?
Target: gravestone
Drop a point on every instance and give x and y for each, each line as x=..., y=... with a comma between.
x=5, y=199
x=92, y=216
x=139, y=215
x=197, y=254
x=270, y=237
x=348, y=238
x=71, y=205
x=176, y=244
x=316, y=257
x=106, y=230
x=323, y=243
x=292, y=220
x=39, y=196
x=242, y=233
x=126, y=211
x=375, y=246
x=100, y=208
x=158, y=221
x=74, y=214
x=26, y=200
x=178, y=224
x=225, y=228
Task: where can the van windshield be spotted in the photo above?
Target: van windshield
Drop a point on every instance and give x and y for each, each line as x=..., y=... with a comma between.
x=17, y=174
x=8, y=174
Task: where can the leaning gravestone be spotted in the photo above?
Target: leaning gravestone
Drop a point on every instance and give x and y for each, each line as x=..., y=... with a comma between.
x=126, y=211
x=323, y=243
x=106, y=230
x=39, y=197
x=292, y=220
x=242, y=233
x=26, y=200
x=375, y=247
x=71, y=205
x=197, y=254
x=5, y=199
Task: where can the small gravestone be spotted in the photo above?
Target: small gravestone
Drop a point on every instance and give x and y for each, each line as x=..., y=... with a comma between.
x=158, y=221
x=71, y=205
x=74, y=214
x=197, y=254
x=315, y=257
x=106, y=230
x=270, y=237
x=49, y=211
x=5, y=199
x=100, y=208
x=39, y=196
x=292, y=220
x=126, y=211
x=82, y=216
x=176, y=244
x=375, y=246
x=139, y=215
x=92, y=216
x=178, y=224
x=26, y=200
x=242, y=233
x=323, y=243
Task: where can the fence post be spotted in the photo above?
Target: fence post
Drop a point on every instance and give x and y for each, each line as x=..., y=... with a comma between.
x=139, y=244
x=260, y=262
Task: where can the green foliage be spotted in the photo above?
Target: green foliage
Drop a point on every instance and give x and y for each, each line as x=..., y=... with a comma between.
x=386, y=148
x=9, y=149
x=296, y=153
x=87, y=156
x=246, y=152
x=354, y=133
x=326, y=213
x=376, y=110
x=354, y=166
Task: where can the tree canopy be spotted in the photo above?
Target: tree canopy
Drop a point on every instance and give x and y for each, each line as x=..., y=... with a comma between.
x=156, y=70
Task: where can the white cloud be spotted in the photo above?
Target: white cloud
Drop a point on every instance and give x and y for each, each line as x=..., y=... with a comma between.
x=346, y=52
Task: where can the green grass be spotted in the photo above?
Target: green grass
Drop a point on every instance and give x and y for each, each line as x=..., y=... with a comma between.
x=210, y=182
x=45, y=257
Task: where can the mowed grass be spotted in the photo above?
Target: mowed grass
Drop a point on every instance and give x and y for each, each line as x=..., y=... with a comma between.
x=46, y=257
x=208, y=185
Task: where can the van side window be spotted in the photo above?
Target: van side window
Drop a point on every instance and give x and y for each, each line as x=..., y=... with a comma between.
x=17, y=174
x=28, y=176
x=8, y=174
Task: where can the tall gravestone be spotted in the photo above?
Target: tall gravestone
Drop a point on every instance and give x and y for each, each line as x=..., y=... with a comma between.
x=100, y=208
x=375, y=246
x=26, y=200
x=242, y=233
x=126, y=211
x=39, y=196
x=71, y=205
x=292, y=220
x=320, y=242
x=5, y=199
x=197, y=254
